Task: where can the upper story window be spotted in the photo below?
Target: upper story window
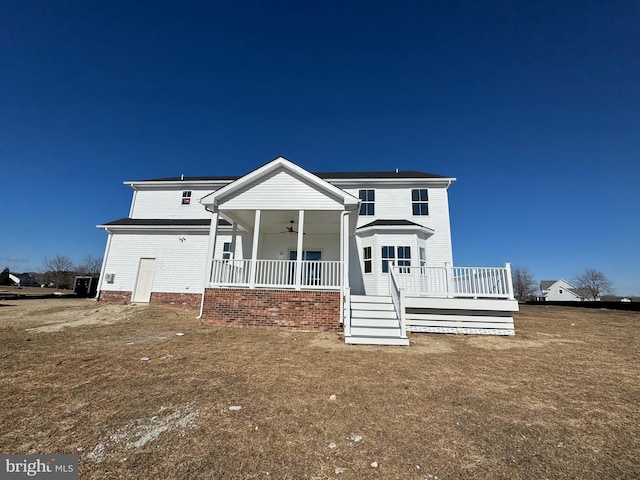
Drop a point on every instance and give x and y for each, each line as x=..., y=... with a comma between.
x=367, y=206
x=420, y=201
x=366, y=257
x=186, y=197
x=423, y=257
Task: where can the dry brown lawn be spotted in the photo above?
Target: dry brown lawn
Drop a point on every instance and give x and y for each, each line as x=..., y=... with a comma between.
x=559, y=400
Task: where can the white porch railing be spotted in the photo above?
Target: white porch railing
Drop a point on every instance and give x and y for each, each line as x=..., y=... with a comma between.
x=449, y=281
x=397, y=297
x=320, y=274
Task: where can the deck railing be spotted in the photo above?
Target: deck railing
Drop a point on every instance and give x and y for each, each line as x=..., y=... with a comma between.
x=397, y=298
x=449, y=281
x=321, y=274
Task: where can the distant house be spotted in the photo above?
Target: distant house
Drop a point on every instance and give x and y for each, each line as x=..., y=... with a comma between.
x=22, y=280
x=562, y=291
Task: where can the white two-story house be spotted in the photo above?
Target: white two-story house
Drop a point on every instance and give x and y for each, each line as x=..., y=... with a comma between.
x=368, y=253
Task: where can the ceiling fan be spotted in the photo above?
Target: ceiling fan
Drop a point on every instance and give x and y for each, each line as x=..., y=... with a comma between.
x=290, y=228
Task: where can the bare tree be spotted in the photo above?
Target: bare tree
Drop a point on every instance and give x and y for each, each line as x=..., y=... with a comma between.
x=594, y=283
x=59, y=271
x=89, y=266
x=524, y=284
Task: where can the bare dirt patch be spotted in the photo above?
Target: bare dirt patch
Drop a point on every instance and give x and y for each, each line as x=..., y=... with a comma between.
x=558, y=400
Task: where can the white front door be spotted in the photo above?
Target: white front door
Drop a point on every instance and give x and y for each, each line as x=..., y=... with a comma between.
x=144, y=283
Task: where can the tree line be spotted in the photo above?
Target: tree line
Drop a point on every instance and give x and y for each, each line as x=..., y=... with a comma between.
x=59, y=271
x=592, y=281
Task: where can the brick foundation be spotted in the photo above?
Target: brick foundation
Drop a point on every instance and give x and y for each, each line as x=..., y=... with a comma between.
x=285, y=309
x=115, y=297
x=185, y=300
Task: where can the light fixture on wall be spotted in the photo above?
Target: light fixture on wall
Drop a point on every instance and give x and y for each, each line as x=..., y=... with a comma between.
x=182, y=238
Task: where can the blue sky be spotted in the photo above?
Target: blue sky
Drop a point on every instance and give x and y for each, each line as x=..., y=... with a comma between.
x=533, y=106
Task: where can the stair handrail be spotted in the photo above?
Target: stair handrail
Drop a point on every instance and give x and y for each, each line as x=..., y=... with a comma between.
x=397, y=297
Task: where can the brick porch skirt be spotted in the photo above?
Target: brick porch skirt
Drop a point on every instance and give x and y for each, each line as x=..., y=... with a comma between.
x=308, y=310
x=185, y=300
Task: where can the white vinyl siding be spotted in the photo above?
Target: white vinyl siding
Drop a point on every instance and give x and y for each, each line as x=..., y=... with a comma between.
x=180, y=266
x=277, y=246
x=280, y=191
x=157, y=203
x=395, y=203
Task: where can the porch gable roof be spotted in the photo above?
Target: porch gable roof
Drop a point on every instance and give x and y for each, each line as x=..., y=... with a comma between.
x=280, y=164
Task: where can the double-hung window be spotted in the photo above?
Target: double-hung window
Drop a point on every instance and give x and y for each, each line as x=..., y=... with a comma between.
x=367, y=204
x=366, y=257
x=388, y=255
x=391, y=253
x=420, y=201
x=186, y=197
x=404, y=259
x=226, y=251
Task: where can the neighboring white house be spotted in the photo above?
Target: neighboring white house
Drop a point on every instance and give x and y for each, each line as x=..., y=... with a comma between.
x=561, y=291
x=368, y=253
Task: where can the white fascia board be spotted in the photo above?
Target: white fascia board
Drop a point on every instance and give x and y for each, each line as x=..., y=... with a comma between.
x=178, y=183
x=280, y=162
x=160, y=228
x=396, y=228
x=363, y=182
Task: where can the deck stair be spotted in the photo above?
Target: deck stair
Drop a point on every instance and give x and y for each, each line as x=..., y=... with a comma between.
x=374, y=322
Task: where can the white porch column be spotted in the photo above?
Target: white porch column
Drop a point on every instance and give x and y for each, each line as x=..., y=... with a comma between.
x=234, y=233
x=299, y=250
x=254, y=249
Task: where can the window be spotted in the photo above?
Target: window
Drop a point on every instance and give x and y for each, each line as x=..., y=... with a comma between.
x=367, y=206
x=423, y=257
x=560, y=291
x=226, y=251
x=404, y=259
x=420, y=201
x=186, y=197
x=389, y=255
x=366, y=256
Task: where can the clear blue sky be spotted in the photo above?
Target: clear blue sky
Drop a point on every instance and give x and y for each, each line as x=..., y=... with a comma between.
x=533, y=106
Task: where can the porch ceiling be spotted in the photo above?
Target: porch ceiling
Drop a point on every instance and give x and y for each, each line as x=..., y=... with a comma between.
x=277, y=221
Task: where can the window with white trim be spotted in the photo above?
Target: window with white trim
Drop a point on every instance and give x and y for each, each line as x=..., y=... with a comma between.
x=368, y=200
x=420, y=201
x=404, y=259
x=186, y=197
x=366, y=257
x=388, y=255
x=226, y=251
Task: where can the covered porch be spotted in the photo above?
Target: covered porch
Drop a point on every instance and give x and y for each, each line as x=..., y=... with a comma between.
x=282, y=249
x=285, y=263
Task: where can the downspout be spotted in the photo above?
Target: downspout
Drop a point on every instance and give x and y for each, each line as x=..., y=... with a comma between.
x=104, y=263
